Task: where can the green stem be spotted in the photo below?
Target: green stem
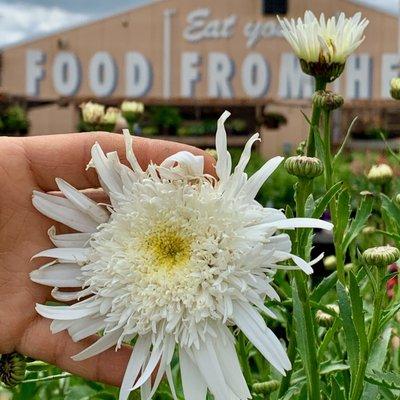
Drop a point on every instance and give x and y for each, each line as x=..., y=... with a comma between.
x=358, y=385
x=48, y=378
x=310, y=362
x=315, y=117
x=291, y=352
x=244, y=360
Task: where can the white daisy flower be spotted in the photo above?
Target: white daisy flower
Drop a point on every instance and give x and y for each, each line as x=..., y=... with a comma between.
x=175, y=260
x=323, y=46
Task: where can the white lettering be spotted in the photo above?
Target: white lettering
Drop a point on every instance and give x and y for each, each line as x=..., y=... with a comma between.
x=138, y=74
x=198, y=28
x=390, y=69
x=293, y=82
x=66, y=73
x=255, y=75
x=103, y=74
x=190, y=74
x=256, y=31
x=359, y=77
x=34, y=71
x=220, y=72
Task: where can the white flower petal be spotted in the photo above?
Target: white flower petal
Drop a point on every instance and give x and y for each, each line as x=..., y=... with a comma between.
x=224, y=161
x=85, y=327
x=68, y=255
x=59, y=275
x=69, y=296
x=68, y=239
x=51, y=207
x=82, y=202
x=194, y=386
x=103, y=344
x=63, y=313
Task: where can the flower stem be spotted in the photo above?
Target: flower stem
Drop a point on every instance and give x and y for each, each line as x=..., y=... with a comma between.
x=358, y=385
x=310, y=360
x=48, y=378
x=244, y=360
x=315, y=117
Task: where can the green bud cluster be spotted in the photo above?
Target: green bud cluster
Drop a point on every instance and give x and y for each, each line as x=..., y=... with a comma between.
x=304, y=167
x=12, y=369
x=324, y=319
x=381, y=256
x=327, y=100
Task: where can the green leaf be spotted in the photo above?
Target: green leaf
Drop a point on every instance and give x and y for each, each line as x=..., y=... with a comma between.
x=343, y=211
x=358, y=314
x=362, y=215
x=376, y=361
x=390, y=380
x=392, y=210
x=322, y=203
x=309, y=206
x=329, y=335
x=337, y=391
x=339, y=152
x=350, y=332
x=324, y=287
x=329, y=367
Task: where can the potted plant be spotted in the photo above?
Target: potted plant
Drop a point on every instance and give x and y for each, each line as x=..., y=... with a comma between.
x=273, y=120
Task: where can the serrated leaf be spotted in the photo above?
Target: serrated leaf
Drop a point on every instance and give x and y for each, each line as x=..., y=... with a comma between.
x=362, y=215
x=329, y=367
x=324, y=287
x=309, y=206
x=350, y=333
x=392, y=210
x=358, y=314
x=390, y=380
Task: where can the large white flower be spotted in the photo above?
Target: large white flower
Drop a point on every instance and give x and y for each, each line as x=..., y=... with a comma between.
x=324, y=41
x=174, y=260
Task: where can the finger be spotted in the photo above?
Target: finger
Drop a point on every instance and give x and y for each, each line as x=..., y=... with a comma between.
x=66, y=156
x=39, y=343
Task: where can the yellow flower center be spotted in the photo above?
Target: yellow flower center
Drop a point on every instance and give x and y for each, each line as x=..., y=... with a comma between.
x=167, y=247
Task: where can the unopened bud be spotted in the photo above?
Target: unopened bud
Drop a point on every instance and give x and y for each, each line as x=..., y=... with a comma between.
x=325, y=319
x=397, y=199
x=395, y=88
x=304, y=167
x=348, y=267
x=265, y=387
x=380, y=174
x=327, y=100
x=12, y=369
x=132, y=107
x=330, y=263
x=92, y=113
x=381, y=256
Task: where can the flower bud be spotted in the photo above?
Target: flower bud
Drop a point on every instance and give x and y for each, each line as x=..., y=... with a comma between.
x=12, y=369
x=381, y=256
x=327, y=100
x=330, y=263
x=397, y=199
x=92, y=113
x=304, y=167
x=212, y=152
x=380, y=174
x=265, y=387
x=395, y=88
x=324, y=319
x=348, y=267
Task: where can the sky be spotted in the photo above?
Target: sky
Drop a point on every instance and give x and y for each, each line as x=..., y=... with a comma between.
x=25, y=19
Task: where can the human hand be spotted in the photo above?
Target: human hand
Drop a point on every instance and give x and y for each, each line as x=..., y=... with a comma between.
x=28, y=164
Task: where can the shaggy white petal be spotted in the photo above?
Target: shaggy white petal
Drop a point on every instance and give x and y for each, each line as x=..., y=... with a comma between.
x=179, y=257
x=51, y=207
x=194, y=386
x=59, y=275
x=82, y=202
x=104, y=343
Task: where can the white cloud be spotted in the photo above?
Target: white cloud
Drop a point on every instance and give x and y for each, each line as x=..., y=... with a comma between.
x=25, y=21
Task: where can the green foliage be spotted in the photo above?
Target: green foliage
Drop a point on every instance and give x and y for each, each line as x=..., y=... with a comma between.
x=165, y=116
x=14, y=120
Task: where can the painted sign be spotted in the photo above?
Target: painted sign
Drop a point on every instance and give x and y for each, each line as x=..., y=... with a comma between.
x=253, y=72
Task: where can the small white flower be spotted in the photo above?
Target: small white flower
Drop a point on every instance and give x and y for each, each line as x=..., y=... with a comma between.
x=132, y=106
x=111, y=116
x=326, y=42
x=174, y=260
x=92, y=113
